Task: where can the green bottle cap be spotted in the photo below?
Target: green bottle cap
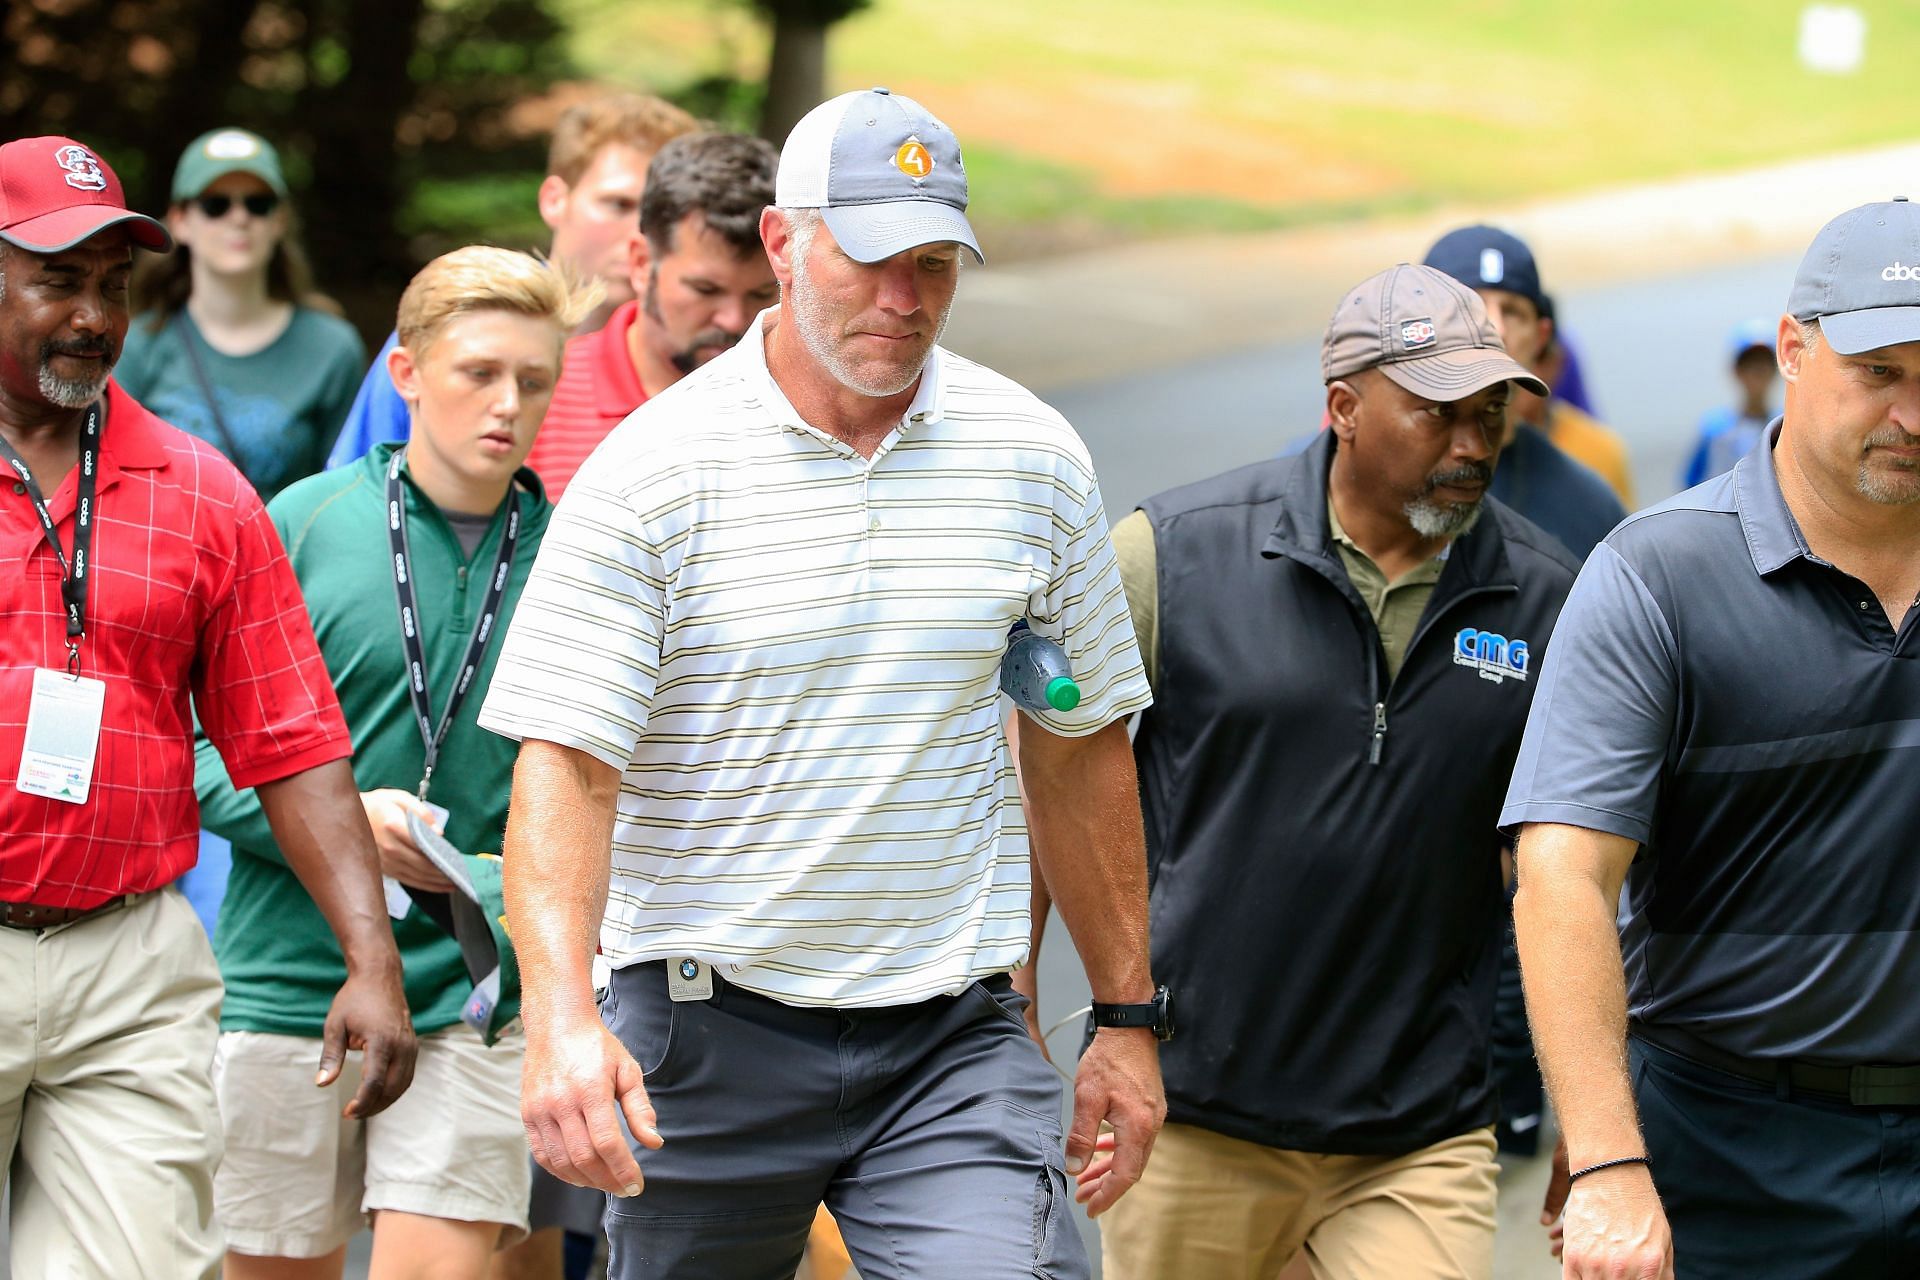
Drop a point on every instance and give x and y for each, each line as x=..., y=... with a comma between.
x=1062, y=693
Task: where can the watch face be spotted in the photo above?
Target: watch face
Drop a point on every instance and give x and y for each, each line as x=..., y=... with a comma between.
x=1163, y=1014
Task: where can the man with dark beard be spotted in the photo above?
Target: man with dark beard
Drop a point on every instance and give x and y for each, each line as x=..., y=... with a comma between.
x=1340, y=645
x=699, y=277
x=141, y=582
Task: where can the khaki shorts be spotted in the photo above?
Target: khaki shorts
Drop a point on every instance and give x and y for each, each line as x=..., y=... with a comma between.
x=299, y=1180
x=1212, y=1207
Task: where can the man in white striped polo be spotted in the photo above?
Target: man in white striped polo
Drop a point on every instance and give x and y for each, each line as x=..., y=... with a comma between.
x=754, y=675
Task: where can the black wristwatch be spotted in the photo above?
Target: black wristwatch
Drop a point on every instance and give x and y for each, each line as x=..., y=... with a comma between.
x=1156, y=1015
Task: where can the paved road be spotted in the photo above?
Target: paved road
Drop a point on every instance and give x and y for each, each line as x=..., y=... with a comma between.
x=1654, y=352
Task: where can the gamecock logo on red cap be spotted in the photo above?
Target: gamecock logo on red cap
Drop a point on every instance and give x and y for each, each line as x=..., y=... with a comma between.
x=83, y=168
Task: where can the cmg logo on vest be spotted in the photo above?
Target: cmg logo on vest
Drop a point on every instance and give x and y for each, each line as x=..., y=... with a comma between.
x=1493, y=656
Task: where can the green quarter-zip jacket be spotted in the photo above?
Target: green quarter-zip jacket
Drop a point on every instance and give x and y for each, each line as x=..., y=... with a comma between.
x=279, y=958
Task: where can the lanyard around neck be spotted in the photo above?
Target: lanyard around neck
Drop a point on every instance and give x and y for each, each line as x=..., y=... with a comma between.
x=75, y=573
x=430, y=736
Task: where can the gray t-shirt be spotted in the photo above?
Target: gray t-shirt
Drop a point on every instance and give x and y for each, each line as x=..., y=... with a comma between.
x=469, y=529
x=1749, y=715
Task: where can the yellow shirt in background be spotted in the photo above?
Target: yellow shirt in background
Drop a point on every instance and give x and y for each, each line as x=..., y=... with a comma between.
x=1586, y=440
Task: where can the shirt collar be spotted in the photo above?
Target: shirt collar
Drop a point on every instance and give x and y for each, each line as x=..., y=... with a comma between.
x=1773, y=536
x=617, y=390
x=1337, y=532
x=376, y=460
x=929, y=400
x=131, y=438
x=1426, y=570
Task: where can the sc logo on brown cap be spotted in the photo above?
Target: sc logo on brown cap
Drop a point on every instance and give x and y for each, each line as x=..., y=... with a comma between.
x=914, y=160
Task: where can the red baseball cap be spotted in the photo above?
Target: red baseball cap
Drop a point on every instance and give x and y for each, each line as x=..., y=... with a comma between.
x=54, y=193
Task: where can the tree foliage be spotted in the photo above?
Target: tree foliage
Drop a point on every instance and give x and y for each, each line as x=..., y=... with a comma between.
x=366, y=99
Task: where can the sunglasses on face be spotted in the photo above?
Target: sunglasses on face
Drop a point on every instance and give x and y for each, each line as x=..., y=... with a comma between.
x=258, y=205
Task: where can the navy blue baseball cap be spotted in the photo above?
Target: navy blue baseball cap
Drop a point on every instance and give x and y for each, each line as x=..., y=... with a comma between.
x=1483, y=257
x=1861, y=278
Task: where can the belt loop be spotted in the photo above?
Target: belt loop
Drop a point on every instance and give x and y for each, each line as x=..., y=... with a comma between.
x=1783, y=1080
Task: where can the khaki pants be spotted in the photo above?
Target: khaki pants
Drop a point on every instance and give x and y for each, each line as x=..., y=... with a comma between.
x=107, y=1116
x=1212, y=1207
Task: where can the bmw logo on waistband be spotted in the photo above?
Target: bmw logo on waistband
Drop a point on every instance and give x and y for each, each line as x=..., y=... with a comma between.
x=689, y=969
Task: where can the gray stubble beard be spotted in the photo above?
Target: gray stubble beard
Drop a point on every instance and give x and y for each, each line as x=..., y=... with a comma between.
x=69, y=394
x=813, y=327
x=1432, y=519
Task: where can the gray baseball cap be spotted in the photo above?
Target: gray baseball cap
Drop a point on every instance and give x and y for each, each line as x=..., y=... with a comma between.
x=1425, y=330
x=884, y=173
x=1861, y=278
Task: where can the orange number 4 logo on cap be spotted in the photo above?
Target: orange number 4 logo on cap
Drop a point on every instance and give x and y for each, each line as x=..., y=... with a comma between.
x=913, y=159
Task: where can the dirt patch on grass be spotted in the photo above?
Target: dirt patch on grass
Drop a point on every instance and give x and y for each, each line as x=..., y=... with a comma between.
x=1152, y=139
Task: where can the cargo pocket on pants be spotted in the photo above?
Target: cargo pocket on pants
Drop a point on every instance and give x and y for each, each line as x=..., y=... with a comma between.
x=1049, y=1207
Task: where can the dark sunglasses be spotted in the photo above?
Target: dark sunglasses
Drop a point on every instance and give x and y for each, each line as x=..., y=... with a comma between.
x=259, y=204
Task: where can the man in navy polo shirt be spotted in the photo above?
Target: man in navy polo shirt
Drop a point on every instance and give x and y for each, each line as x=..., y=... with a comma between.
x=1729, y=722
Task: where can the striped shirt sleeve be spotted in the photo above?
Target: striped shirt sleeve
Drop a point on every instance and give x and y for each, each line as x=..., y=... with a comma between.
x=581, y=660
x=1083, y=607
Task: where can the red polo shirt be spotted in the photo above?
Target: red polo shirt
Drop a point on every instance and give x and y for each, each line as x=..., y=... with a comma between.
x=191, y=606
x=598, y=387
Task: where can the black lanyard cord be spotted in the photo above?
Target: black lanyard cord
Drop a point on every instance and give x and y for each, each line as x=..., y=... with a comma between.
x=431, y=738
x=76, y=572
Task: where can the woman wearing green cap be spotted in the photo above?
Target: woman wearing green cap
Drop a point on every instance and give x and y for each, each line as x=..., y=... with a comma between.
x=224, y=346
x=226, y=343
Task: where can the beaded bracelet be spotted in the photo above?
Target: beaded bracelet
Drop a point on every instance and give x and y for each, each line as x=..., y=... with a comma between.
x=1578, y=1174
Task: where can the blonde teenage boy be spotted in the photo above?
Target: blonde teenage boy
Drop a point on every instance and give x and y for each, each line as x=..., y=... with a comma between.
x=410, y=560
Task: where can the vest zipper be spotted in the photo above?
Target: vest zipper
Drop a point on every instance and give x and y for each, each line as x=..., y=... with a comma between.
x=1379, y=732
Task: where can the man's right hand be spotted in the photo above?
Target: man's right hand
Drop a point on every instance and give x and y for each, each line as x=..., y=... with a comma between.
x=1616, y=1229
x=387, y=811
x=570, y=1083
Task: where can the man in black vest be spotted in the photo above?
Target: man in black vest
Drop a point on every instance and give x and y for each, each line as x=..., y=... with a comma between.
x=1341, y=645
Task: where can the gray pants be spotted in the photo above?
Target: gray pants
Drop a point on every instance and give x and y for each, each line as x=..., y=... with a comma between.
x=931, y=1131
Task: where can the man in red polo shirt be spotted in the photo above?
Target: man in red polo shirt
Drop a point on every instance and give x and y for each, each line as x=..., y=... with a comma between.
x=140, y=582
x=700, y=276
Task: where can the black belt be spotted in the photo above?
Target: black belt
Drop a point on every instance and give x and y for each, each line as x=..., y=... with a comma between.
x=1863, y=1086
x=27, y=915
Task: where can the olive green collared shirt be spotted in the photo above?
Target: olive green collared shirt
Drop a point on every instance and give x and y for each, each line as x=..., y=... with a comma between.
x=1396, y=606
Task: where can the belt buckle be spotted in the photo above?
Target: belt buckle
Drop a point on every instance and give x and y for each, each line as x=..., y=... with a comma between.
x=1874, y=1086
x=22, y=915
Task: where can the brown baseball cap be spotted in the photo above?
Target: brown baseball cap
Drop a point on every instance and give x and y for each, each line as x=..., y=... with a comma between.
x=1425, y=330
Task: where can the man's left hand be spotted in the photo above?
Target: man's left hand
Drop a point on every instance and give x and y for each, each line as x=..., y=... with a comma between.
x=1118, y=1083
x=369, y=1013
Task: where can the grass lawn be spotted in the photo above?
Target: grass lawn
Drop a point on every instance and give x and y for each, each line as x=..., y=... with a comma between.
x=1140, y=116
